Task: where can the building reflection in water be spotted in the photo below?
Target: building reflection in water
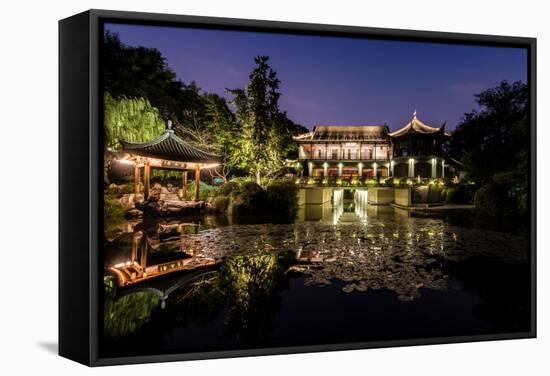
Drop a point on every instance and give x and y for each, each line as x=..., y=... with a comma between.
x=158, y=250
x=338, y=205
x=361, y=203
x=348, y=206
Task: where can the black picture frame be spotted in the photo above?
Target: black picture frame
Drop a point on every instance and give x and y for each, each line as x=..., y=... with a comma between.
x=80, y=170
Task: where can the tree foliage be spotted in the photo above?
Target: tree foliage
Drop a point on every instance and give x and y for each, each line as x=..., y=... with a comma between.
x=130, y=119
x=489, y=140
x=265, y=131
x=140, y=72
x=493, y=143
x=255, y=138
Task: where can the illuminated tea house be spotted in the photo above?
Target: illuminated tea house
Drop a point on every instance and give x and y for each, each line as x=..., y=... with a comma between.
x=372, y=151
x=167, y=152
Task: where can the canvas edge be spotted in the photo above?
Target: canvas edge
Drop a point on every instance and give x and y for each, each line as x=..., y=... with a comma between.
x=74, y=252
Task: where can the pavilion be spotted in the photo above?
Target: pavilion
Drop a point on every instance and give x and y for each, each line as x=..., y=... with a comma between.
x=167, y=152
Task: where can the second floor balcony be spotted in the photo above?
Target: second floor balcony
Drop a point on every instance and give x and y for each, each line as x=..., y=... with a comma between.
x=311, y=152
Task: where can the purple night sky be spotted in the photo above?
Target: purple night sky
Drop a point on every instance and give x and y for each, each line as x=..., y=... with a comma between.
x=334, y=80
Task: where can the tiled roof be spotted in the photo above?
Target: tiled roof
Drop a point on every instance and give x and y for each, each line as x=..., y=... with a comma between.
x=416, y=126
x=346, y=133
x=170, y=147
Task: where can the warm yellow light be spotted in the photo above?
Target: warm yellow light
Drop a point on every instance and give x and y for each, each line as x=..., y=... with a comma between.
x=210, y=165
x=125, y=161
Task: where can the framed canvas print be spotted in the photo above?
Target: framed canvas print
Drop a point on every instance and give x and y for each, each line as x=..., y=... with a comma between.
x=237, y=187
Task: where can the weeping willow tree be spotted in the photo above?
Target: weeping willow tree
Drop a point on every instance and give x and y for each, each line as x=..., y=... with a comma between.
x=130, y=119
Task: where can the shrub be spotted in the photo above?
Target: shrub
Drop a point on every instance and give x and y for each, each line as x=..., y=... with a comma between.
x=282, y=197
x=249, y=189
x=228, y=188
x=119, y=190
x=244, y=197
x=493, y=200
x=249, y=199
x=459, y=194
x=113, y=212
x=241, y=180
x=220, y=203
x=205, y=191
x=371, y=183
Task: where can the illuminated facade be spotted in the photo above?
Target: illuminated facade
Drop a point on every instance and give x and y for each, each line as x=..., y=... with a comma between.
x=372, y=151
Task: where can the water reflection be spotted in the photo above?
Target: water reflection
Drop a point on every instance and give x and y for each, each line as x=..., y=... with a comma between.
x=338, y=205
x=159, y=249
x=237, y=282
x=361, y=204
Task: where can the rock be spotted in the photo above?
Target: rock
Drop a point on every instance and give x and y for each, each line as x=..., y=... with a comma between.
x=348, y=288
x=135, y=213
x=129, y=200
x=158, y=192
x=162, y=208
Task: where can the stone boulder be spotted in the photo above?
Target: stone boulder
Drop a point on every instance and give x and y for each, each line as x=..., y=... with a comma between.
x=160, y=193
x=134, y=213
x=165, y=208
x=129, y=200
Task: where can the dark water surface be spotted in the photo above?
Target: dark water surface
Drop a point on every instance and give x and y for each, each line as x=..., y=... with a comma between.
x=343, y=273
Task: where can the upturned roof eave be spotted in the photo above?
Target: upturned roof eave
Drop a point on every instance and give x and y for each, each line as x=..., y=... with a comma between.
x=417, y=126
x=194, y=155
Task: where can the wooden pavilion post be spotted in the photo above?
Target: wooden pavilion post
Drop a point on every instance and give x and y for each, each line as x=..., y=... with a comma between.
x=146, y=177
x=135, y=240
x=136, y=178
x=143, y=255
x=184, y=184
x=197, y=182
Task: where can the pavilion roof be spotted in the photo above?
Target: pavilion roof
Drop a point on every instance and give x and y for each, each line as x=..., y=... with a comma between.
x=417, y=126
x=170, y=147
x=346, y=133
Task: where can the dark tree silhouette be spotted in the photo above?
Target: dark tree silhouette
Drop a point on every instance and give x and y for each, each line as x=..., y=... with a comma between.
x=493, y=145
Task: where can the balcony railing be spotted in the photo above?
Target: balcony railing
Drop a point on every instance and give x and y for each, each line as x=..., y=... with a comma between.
x=351, y=157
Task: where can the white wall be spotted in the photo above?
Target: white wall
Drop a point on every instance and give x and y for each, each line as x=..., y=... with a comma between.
x=28, y=321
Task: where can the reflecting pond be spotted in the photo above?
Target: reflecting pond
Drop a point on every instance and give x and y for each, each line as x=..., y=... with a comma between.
x=342, y=272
